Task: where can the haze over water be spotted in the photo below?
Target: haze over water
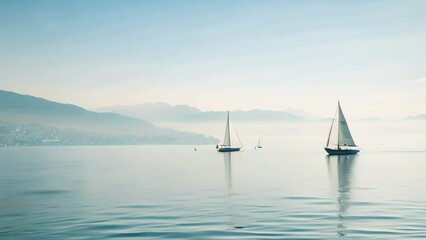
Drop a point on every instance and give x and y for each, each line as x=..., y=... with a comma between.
x=213, y=55
x=280, y=191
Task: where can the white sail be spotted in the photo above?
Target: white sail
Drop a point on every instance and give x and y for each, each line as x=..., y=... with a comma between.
x=339, y=132
x=258, y=143
x=345, y=137
x=227, y=140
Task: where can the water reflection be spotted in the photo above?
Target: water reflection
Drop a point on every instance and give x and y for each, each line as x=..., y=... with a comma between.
x=233, y=208
x=340, y=172
x=228, y=169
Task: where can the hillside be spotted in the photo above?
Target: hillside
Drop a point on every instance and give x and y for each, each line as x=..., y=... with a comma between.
x=23, y=109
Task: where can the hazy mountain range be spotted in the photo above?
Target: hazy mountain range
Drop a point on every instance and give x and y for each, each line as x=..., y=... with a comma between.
x=157, y=112
x=23, y=109
x=164, y=112
x=75, y=125
x=417, y=117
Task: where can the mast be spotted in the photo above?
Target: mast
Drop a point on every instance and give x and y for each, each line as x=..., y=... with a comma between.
x=338, y=124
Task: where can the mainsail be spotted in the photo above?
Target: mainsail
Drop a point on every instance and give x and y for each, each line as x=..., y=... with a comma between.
x=339, y=134
x=227, y=140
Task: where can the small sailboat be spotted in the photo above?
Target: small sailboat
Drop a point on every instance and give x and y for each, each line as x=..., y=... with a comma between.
x=340, y=140
x=258, y=144
x=226, y=146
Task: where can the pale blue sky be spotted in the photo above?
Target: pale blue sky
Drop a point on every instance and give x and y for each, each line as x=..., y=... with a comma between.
x=219, y=55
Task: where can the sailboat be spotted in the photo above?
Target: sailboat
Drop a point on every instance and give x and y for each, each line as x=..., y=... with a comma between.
x=340, y=140
x=258, y=144
x=226, y=146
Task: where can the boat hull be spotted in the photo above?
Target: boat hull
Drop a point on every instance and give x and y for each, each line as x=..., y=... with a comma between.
x=331, y=151
x=229, y=149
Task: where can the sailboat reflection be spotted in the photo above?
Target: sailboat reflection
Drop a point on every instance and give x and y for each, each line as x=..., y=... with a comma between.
x=340, y=172
x=235, y=220
x=228, y=169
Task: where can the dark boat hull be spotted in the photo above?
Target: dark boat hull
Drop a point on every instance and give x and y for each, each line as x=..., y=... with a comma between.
x=229, y=149
x=331, y=151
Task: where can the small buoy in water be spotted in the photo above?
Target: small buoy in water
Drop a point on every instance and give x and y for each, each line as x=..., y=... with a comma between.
x=195, y=148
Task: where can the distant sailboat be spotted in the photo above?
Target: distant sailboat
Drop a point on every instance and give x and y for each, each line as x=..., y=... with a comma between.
x=340, y=140
x=258, y=144
x=226, y=146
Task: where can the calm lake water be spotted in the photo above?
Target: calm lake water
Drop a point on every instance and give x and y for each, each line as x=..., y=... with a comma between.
x=175, y=192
